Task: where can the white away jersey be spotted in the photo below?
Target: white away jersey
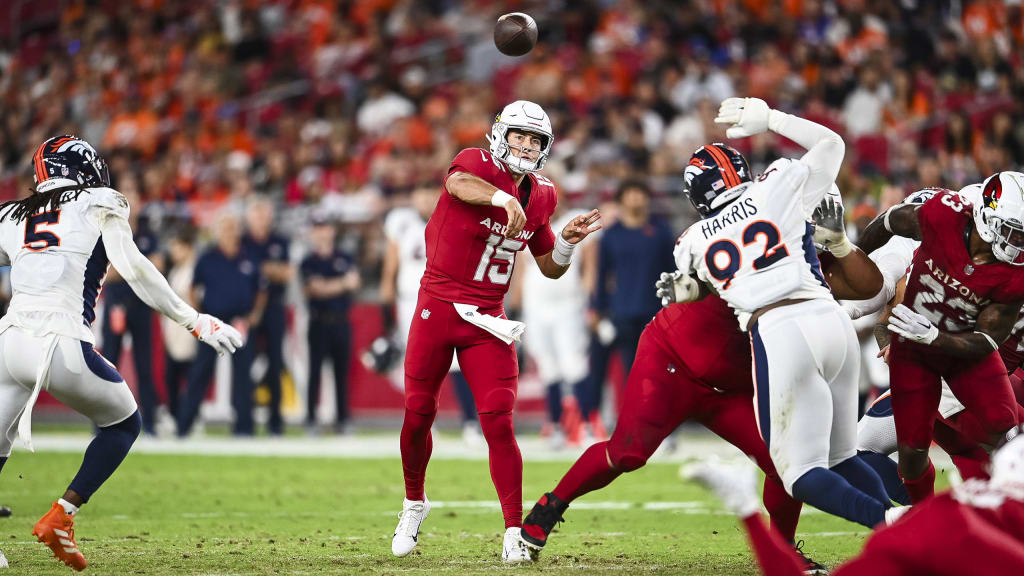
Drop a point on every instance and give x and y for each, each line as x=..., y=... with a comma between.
x=542, y=295
x=58, y=263
x=758, y=249
x=407, y=230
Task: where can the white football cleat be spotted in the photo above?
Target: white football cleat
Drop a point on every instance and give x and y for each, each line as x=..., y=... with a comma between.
x=3, y=561
x=414, y=512
x=892, y=515
x=514, y=550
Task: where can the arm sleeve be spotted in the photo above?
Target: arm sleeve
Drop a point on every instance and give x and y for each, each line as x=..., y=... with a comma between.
x=475, y=161
x=824, y=157
x=543, y=240
x=141, y=275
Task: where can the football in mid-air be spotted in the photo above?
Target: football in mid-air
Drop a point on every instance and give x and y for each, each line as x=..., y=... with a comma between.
x=515, y=34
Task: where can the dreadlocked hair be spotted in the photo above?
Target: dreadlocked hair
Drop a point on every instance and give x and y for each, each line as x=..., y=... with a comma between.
x=18, y=210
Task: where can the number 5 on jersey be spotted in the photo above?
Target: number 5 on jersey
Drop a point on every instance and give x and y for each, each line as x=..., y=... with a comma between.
x=724, y=259
x=497, y=260
x=36, y=239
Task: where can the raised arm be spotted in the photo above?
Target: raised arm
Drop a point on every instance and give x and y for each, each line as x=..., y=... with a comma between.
x=477, y=191
x=825, y=149
x=555, y=263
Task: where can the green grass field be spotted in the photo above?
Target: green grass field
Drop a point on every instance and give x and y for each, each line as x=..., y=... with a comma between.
x=174, y=514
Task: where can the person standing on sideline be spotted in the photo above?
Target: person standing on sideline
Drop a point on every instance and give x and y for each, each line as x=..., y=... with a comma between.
x=269, y=251
x=404, y=262
x=329, y=277
x=124, y=313
x=227, y=283
x=557, y=339
x=179, y=346
x=632, y=254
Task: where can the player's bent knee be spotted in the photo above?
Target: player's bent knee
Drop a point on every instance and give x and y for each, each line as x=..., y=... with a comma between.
x=625, y=459
x=421, y=403
x=499, y=400
x=130, y=426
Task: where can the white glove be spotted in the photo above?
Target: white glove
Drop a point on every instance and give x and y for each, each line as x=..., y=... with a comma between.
x=912, y=326
x=676, y=287
x=748, y=116
x=830, y=227
x=221, y=336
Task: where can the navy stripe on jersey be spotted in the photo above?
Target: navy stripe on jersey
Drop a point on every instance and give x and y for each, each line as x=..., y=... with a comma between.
x=99, y=365
x=881, y=408
x=764, y=419
x=95, y=269
x=811, y=255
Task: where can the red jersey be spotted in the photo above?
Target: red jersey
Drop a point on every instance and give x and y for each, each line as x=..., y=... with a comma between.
x=945, y=285
x=469, y=260
x=1012, y=349
x=706, y=338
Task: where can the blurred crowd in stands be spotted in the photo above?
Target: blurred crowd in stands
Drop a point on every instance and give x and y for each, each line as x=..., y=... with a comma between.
x=338, y=108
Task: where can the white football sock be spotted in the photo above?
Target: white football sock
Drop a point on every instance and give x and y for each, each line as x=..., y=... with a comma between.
x=69, y=508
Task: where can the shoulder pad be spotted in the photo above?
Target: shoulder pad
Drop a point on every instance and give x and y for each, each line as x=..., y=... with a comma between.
x=110, y=200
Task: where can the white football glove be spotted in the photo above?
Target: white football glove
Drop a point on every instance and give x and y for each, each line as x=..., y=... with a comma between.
x=748, y=116
x=676, y=287
x=221, y=336
x=830, y=227
x=912, y=326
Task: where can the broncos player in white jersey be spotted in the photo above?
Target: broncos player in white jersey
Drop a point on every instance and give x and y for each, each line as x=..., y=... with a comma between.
x=58, y=242
x=754, y=247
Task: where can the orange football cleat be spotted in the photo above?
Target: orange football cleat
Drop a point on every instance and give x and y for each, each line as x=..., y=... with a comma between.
x=57, y=530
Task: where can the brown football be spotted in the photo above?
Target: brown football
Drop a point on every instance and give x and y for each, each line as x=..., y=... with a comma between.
x=515, y=34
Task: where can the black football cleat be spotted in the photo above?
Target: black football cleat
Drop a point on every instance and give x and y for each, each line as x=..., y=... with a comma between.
x=812, y=568
x=4, y=511
x=541, y=520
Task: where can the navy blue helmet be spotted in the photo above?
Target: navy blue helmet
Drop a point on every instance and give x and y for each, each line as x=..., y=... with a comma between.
x=68, y=162
x=712, y=170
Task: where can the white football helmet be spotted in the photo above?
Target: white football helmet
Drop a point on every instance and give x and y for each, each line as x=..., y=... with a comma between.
x=524, y=116
x=999, y=216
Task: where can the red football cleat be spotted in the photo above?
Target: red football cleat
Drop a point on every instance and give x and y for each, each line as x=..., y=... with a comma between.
x=57, y=530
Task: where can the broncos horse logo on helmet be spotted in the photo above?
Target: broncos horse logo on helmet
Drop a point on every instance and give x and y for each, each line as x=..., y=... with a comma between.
x=68, y=162
x=714, y=170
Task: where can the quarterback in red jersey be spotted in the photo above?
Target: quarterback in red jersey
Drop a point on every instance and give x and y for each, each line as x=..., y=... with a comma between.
x=965, y=293
x=495, y=205
x=693, y=363
x=976, y=528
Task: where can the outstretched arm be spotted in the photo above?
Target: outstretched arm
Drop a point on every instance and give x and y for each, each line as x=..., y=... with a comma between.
x=899, y=220
x=556, y=262
x=151, y=287
x=137, y=270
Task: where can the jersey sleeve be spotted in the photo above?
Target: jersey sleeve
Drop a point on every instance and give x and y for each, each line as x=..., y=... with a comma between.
x=936, y=212
x=475, y=161
x=108, y=202
x=543, y=240
x=683, y=253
